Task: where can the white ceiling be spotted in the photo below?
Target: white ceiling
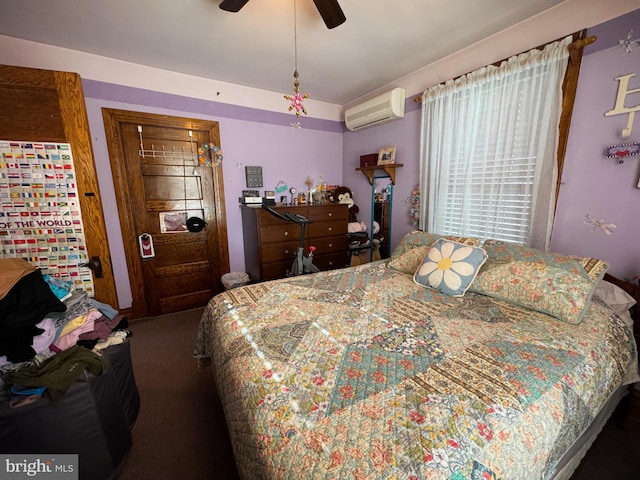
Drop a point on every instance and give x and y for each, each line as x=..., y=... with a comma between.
x=381, y=41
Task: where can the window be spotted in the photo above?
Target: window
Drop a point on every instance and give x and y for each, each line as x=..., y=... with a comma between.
x=488, y=149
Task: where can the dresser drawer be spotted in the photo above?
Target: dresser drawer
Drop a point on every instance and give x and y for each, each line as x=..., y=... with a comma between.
x=327, y=229
x=327, y=245
x=277, y=252
x=329, y=262
x=280, y=233
x=272, y=271
x=323, y=213
x=266, y=218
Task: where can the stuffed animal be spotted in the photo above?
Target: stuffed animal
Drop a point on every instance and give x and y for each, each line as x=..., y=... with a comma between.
x=344, y=195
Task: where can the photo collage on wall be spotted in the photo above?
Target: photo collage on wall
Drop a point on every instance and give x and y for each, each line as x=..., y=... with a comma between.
x=40, y=217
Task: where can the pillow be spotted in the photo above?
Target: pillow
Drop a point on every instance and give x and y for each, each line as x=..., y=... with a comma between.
x=450, y=267
x=410, y=260
x=418, y=238
x=551, y=283
x=614, y=296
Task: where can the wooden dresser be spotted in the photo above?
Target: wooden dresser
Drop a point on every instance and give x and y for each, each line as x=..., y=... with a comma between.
x=271, y=243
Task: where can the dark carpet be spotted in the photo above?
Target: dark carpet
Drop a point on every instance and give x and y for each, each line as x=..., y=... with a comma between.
x=181, y=434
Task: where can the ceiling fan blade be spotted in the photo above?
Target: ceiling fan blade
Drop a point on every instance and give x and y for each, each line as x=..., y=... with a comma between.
x=330, y=12
x=232, y=5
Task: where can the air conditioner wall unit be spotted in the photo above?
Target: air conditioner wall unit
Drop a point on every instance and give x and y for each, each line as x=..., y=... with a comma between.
x=381, y=109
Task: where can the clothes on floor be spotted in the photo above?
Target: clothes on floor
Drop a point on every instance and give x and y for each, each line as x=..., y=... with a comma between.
x=13, y=269
x=60, y=288
x=115, y=338
x=59, y=372
x=71, y=336
x=40, y=341
x=28, y=301
x=38, y=330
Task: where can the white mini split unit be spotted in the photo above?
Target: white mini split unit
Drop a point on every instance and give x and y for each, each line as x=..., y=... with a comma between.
x=381, y=109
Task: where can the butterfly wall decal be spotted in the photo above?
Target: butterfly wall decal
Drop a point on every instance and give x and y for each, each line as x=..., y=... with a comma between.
x=601, y=224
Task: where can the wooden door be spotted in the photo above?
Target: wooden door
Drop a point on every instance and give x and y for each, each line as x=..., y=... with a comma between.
x=158, y=178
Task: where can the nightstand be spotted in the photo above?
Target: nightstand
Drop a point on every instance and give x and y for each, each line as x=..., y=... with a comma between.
x=631, y=421
x=631, y=406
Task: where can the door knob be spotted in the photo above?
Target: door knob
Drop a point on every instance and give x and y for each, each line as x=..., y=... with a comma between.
x=95, y=265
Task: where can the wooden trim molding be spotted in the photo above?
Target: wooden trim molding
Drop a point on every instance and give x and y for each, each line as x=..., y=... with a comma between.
x=113, y=120
x=76, y=128
x=569, y=88
x=49, y=106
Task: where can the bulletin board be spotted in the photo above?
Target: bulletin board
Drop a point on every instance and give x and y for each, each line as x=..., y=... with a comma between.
x=40, y=217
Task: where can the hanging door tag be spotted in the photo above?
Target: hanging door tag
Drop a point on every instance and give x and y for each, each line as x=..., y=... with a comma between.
x=146, y=246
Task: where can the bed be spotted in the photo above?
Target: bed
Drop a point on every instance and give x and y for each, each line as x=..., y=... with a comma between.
x=372, y=372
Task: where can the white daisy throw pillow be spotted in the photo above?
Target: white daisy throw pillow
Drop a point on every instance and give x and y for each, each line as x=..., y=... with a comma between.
x=450, y=267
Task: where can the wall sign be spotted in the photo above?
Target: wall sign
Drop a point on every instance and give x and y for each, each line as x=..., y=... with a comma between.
x=40, y=217
x=619, y=108
x=254, y=176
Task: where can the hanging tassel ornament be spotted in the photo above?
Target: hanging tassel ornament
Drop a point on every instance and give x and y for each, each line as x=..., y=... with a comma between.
x=297, y=99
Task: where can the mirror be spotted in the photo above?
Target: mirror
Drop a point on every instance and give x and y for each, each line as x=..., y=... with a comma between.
x=382, y=203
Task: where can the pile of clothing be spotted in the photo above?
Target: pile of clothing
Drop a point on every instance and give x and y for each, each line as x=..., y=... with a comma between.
x=48, y=330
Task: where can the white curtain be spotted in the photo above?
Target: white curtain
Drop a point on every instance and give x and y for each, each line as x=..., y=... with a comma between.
x=488, y=164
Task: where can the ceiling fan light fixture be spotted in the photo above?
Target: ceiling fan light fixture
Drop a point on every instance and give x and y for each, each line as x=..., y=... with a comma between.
x=330, y=12
x=232, y=5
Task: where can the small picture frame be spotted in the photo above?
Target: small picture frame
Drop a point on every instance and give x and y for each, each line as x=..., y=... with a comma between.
x=387, y=156
x=250, y=193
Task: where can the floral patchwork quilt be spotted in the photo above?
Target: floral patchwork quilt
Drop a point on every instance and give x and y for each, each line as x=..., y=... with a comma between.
x=361, y=373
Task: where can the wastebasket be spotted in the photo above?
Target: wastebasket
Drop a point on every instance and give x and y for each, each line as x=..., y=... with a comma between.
x=234, y=279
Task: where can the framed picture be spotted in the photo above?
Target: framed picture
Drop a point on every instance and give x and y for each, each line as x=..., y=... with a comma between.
x=387, y=155
x=254, y=176
x=173, y=222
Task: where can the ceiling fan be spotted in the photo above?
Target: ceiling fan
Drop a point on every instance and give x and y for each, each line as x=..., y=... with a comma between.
x=330, y=10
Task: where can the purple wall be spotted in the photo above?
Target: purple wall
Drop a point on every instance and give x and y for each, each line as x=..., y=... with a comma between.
x=591, y=183
x=249, y=137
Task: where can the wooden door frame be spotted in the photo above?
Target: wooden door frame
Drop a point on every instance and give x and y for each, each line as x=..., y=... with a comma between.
x=49, y=106
x=112, y=120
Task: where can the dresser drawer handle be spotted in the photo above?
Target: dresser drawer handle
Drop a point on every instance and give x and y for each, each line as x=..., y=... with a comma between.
x=330, y=228
x=286, y=251
x=331, y=245
x=330, y=214
x=286, y=233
